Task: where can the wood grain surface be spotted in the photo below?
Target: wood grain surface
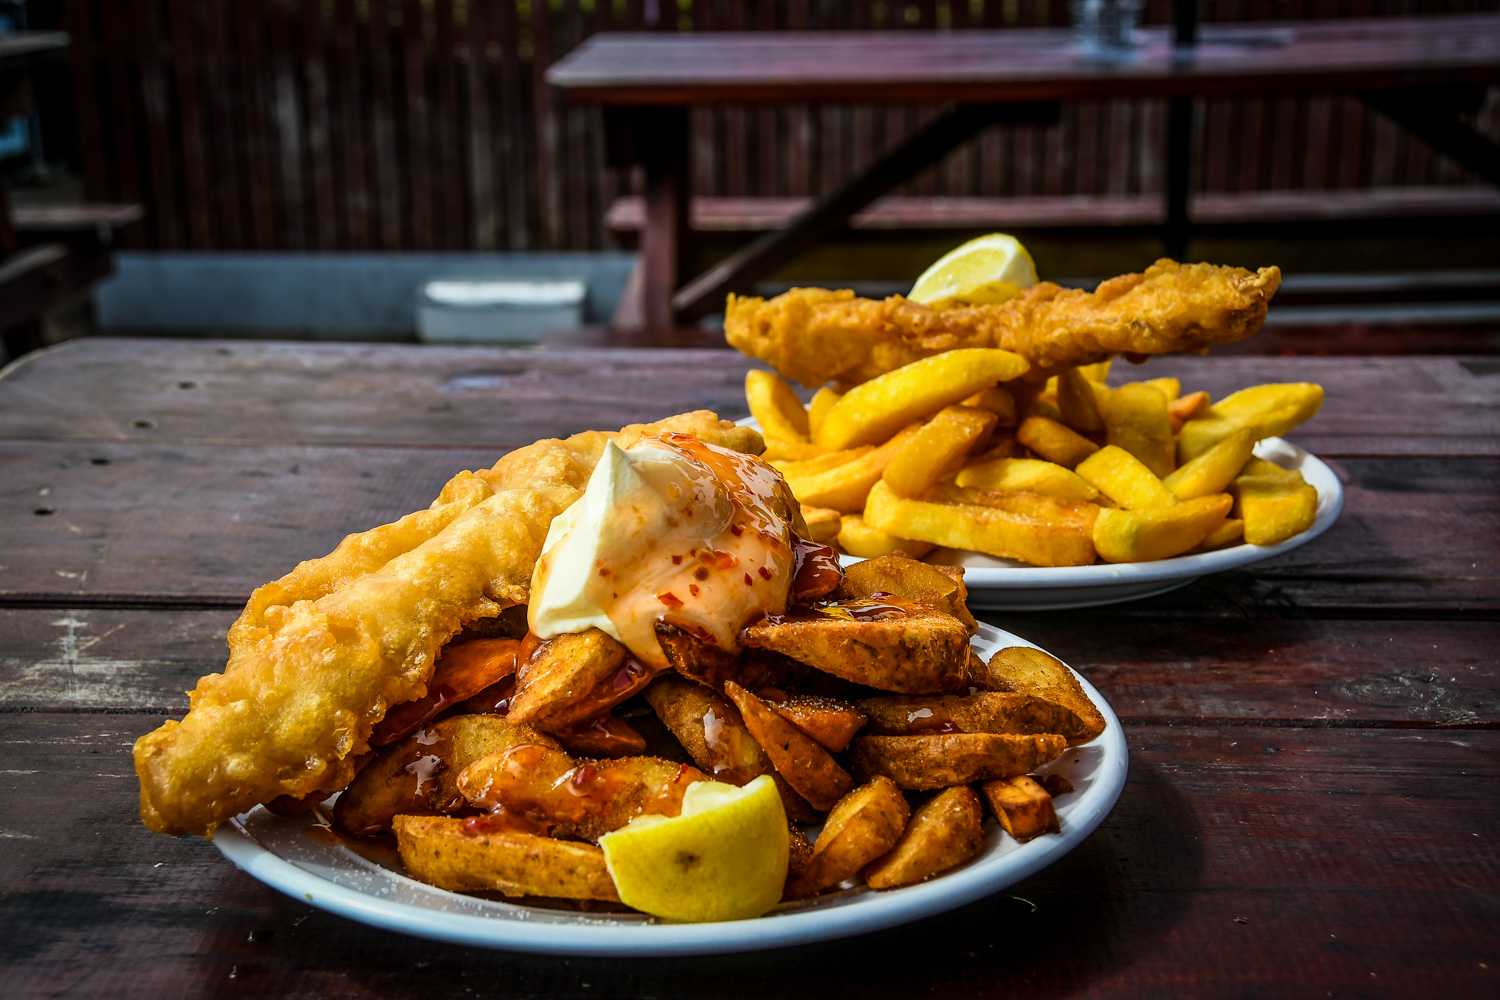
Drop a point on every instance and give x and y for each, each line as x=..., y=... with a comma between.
x=1315, y=767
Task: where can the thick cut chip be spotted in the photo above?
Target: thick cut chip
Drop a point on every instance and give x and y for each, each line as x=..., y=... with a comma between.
x=438, y=851
x=419, y=775
x=813, y=466
x=846, y=486
x=1170, y=387
x=1025, y=670
x=998, y=400
x=1189, y=407
x=861, y=827
x=939, y=447
x=823, y=523
x=1275, y=505
x=920, y=763
x=1054, y=441
x=1027, y=475
x=1146, y=535
x=775, y=406
x=944, y=832
x=874, y=410
x=1267, y=410
x=915, y=581
x=1228, y=533
x=1078, y=399
x=858, y=538
x=1006, y=525
x=1023, y=807
x=889, y=643
x=818, y=408
x=1125, y=479
x=1135, y=418
x=1213, y=471
x=805, y=765
x=982, y=712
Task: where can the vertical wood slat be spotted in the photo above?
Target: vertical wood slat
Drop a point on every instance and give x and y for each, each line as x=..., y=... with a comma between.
x=419, y=186
x=514, y=133
x=288, y=128
x=448, y=69
x=190, y=116
x=319, y=145
x=228, y=202
x=484, y=216
x=353, y=180
x=156, y=113
x=389, y=196
x=257, y=145
x=118, y=51
x=546, y=111
x=81, y=22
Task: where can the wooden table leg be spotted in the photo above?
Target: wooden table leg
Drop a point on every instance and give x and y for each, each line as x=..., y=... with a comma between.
x=661, y=147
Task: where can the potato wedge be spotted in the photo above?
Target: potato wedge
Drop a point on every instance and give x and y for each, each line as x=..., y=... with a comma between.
x=920, y=763
x=1125, y=479
x=573, y=678
x=845, y=487
x=1135, y=418
x=1267, y=410
x=912, y=648
x=1146, y=535
x=830, y=721
x=983, y=712
x=874, y=410
x=1212, y=471
x=419, y=775
x=858, y=538
x=711, y=730
x=937, y=448
x=1055, y=441
x=819, y=406
x=861, y=827
x=806, y=766
x=1025, y=670
x=436, y=850
x=944, y=832
x=911, y=580
x=462, y=670
x=1027, y=475
x=1023, y=807
x=988, y=529
x=775, y=406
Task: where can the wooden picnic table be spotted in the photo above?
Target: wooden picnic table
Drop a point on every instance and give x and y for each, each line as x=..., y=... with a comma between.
x=1424, y=73
x=1314, y=787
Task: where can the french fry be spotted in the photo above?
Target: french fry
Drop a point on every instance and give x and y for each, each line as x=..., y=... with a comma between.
x=1054, y=441
x=1231, y=531
x=812, y=466
x=1148, y=535
x=1170, y=387
x=1045, y=406
x=818, y=407
x=938, y=446
x=1213, y=471
x=872, y=411
x=1027, y=475
x=990, y=530
x=1023, y=807
x=858, y=538
x=823, y=523
x=1097, y=372
x=1275, y=505
x=943, y=833
x=784, y=450
x=1189, y=407
x=845, y=487
x=1078, y=402
x=998, y=400
x=1125, y=479
x=1135, y=418
x=775, y=406
x=1267, y=410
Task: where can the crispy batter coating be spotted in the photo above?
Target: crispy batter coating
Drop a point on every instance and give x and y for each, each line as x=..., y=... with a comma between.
x=318, y=656
x=814, y=335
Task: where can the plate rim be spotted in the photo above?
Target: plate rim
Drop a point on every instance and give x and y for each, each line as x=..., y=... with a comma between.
x=876, y=911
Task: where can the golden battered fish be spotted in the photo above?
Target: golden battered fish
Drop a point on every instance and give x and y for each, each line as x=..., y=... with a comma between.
x=815, y=336
x=318, y=656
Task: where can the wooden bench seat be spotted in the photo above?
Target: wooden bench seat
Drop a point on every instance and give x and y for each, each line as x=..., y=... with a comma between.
x=626, y=215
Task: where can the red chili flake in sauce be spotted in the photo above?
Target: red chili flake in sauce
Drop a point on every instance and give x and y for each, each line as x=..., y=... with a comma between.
x=604, y=571
x=736, y=530
x=677, y=560
x=693, y=589
x=749, y=582
x=671, y=600
x=765, y=574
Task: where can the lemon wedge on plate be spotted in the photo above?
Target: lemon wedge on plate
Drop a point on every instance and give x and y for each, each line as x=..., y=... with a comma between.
x=723, y=858
x=989, y=269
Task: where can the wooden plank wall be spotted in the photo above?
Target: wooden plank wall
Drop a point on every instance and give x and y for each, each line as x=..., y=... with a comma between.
x=425, y=124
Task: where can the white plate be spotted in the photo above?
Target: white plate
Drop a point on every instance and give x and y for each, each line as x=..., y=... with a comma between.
x=331, y=877
x=1010, y=584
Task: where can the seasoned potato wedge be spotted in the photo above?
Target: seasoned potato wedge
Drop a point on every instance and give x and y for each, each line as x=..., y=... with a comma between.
x=915, y=649
x=419, y=775
x=571, y=679
x=923, y=762
x=1041, y=675
x=462, y=670
x=830, y=721
x=861, y=827
x=944, y=832
x=806, y=766
x=1023, y=807
x=909, y=579
x=984, y=712
x=436, y=850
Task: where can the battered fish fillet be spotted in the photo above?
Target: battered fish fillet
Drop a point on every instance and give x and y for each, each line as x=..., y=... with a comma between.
x=318, y=656
x=815, y=336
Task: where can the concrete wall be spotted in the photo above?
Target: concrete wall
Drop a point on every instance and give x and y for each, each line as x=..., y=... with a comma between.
x=327, y=294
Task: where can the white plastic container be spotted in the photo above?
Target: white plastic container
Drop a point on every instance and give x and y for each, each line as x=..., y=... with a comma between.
x=455, y=310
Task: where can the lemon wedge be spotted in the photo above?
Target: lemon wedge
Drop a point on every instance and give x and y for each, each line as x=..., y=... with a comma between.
x=723, y=858
x=989, y=269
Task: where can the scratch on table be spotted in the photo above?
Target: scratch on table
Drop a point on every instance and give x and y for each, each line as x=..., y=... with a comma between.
x=16, y=835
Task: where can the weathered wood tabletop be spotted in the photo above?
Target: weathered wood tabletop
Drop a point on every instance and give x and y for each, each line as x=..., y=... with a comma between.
x=1314, y=796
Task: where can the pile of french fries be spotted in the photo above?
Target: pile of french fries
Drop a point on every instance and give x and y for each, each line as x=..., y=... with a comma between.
x=958, y=451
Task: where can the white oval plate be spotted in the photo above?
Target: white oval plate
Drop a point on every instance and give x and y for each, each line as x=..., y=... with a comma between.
x=1009, y=584
x=274, y=850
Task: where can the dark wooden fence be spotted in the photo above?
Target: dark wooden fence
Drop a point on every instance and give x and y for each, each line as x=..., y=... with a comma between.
x=425, y=124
